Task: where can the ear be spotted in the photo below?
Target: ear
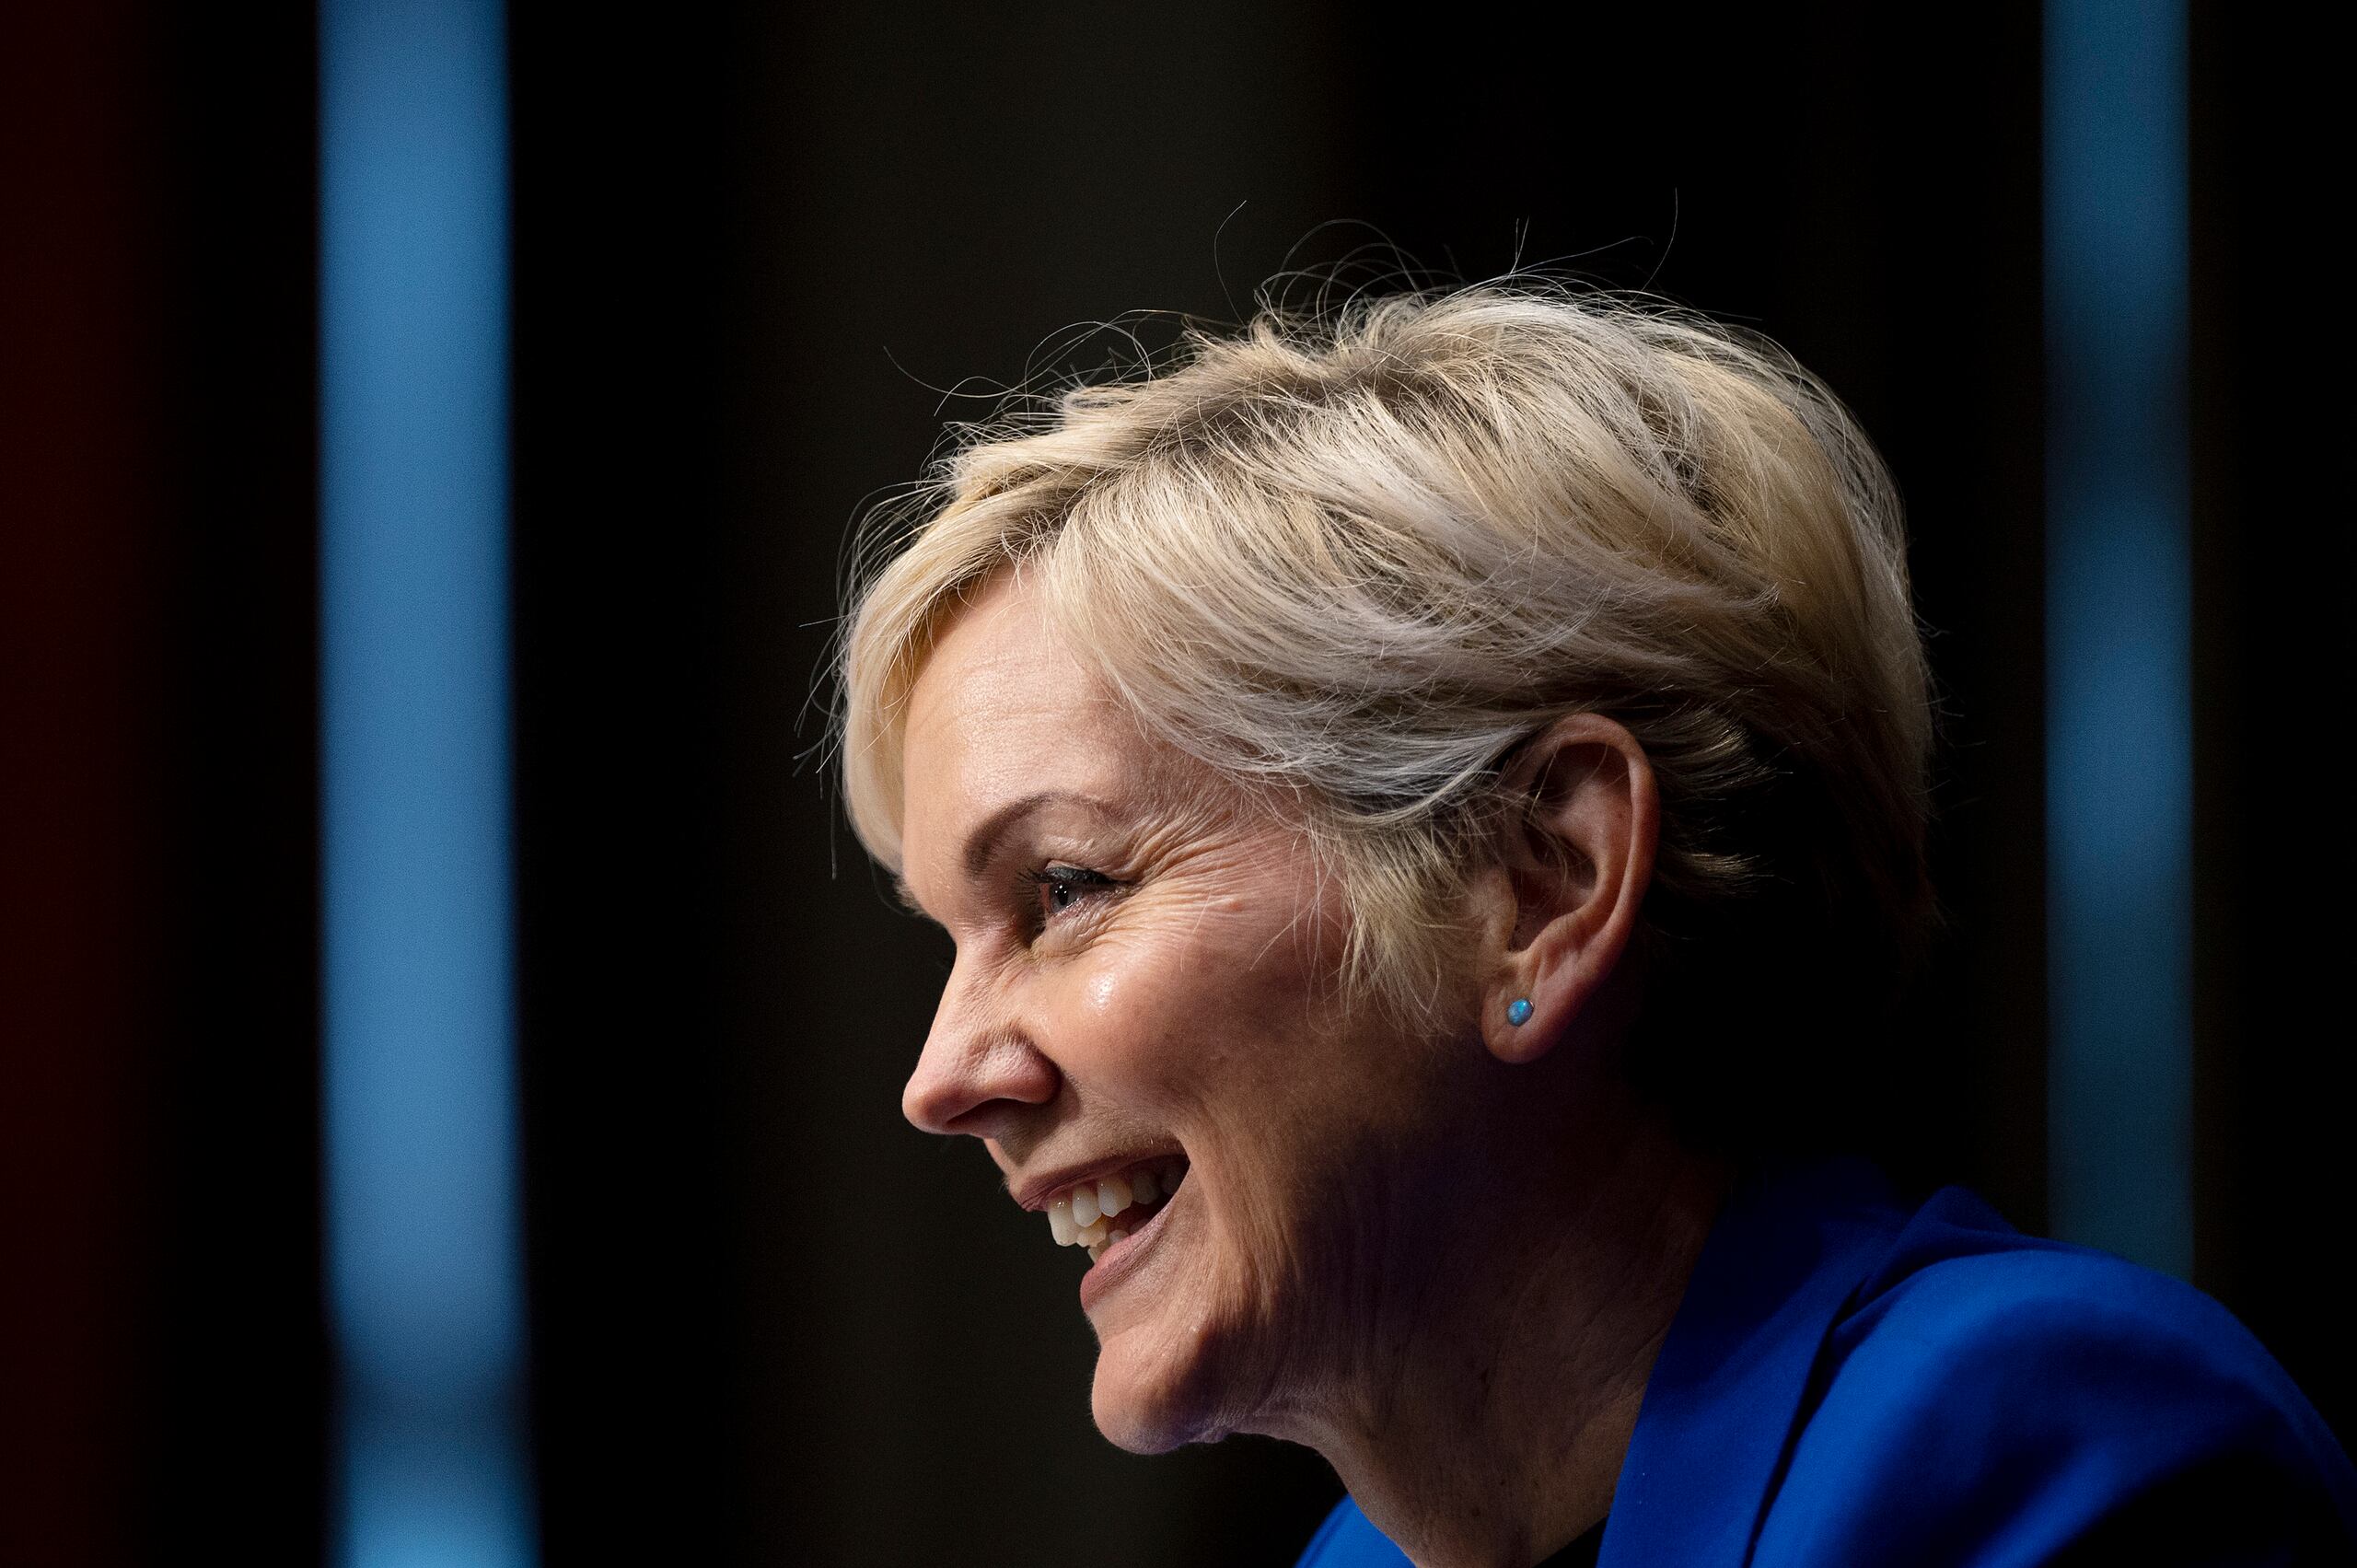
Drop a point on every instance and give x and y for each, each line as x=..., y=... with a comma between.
x=1574, y=864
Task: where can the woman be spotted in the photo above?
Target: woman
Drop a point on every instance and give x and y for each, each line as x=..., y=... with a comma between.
x=1430, y=802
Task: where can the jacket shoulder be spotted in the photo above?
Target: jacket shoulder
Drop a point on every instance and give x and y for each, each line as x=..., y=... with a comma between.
x=1991, y=1397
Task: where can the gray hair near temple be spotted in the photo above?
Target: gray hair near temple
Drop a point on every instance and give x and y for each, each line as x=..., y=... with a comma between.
x=1430, y=796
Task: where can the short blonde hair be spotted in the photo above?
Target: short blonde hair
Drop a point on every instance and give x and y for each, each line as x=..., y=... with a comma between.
x=1360, y=554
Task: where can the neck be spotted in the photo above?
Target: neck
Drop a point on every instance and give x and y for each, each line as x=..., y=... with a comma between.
x=1494, y=1402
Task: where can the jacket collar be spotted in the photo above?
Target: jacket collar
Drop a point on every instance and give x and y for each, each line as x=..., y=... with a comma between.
x=1786, y=1253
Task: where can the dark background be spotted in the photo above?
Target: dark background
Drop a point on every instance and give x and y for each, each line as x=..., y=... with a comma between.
x=753, y=243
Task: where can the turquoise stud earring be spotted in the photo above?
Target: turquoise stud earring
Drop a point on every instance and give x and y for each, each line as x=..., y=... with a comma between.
x=1518, y=1011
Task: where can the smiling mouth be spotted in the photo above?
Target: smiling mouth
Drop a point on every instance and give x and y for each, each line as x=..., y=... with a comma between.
x=1100, y=1213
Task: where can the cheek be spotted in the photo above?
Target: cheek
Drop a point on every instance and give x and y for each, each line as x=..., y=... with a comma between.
x=1108, y=1014
x=1197, y=1008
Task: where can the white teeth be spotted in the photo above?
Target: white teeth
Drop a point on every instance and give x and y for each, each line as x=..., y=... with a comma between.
x=1094, y=1253
x=1081, y=1217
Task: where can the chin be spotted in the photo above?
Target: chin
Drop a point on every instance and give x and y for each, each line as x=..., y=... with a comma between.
x=1154, y=1392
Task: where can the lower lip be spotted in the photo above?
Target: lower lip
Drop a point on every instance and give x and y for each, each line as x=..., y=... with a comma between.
x=1120, y=1258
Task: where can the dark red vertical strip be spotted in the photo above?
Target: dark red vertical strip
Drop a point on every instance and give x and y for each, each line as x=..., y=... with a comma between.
x=77, y=595
x=161, y=1348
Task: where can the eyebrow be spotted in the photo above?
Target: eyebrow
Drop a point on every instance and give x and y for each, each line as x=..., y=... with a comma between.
x=983, y=843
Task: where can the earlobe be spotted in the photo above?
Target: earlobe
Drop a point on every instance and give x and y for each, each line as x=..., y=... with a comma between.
x=1520, y=1038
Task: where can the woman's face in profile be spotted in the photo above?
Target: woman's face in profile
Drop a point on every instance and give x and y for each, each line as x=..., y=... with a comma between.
x=1146, y=977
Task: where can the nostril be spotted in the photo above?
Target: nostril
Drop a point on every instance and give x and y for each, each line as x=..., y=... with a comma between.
x=991, y=1118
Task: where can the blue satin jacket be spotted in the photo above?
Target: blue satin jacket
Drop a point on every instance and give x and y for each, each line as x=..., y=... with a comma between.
x=1851, y=1384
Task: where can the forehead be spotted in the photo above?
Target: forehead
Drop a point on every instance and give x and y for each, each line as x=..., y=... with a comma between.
x=999, y=683
x=1003, y=709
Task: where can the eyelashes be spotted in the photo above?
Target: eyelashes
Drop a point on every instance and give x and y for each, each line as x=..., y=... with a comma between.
x=1053, y=890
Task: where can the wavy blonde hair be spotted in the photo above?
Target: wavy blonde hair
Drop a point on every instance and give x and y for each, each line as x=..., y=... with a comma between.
x=1360, y=554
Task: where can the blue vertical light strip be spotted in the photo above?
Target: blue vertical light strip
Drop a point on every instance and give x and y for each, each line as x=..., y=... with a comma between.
x=2119, y=609
x=425, y=1277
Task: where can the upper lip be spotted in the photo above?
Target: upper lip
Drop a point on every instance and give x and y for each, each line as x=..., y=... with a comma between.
x=1035, y=1191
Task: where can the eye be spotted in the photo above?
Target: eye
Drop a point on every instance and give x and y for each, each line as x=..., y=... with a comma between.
x=1057, y=888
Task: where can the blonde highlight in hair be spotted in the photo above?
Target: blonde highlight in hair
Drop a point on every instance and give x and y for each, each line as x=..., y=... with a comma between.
x=1352, y=558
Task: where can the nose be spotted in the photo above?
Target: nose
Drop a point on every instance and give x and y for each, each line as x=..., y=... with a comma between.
x=977, y=1074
